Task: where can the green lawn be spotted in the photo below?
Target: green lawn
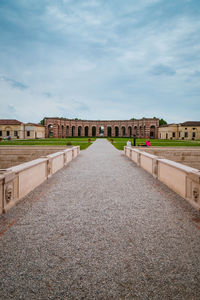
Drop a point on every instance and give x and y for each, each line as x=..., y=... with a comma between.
x=119, y=143
x=82, y=142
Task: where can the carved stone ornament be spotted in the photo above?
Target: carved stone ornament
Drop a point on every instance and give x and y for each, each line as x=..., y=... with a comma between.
x=196, y=194
x=49, y=167
x=8, y=193
x=155, y=169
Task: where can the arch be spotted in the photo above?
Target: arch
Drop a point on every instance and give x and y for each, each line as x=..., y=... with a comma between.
x=86, y=129
x=59, y=131
x=144, y=131
x=50, y=130
x=73, y=130
x=109, y=131
x=140, y=131
x=62, y=131
x=152, y=131
x=79, y=130
x=101, y=130
x=116, y=131
x=123, y=131
x=129, y=131
x=94, y=131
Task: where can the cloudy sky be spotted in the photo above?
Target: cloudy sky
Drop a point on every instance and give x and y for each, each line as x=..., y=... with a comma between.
x=100, y=59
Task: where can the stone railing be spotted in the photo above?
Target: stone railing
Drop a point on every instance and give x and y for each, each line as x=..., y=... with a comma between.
x=182, y=179
x=16, y=182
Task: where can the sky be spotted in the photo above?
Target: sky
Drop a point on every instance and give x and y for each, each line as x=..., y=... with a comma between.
x=100, y=59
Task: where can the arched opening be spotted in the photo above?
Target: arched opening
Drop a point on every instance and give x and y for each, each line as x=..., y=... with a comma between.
x=62, y=131
x=123, y=131
x=50, y=130
x=67, y=130
x=73, y=130
x=152, y=132
x=86, y=130
x=144, y=131
x=109, y=131
x=116, y=131
x=59, y=131
x=79, y=130
x=94, y=131
x=140, y=134
x=101, y=130
x=130, y=131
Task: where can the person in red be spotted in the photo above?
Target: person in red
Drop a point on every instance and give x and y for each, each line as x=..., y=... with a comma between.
x=147, y=143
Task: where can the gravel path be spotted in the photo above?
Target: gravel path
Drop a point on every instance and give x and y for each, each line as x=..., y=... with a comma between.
x=101, y=228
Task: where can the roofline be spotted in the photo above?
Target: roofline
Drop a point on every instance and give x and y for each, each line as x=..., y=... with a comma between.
x=65, y=119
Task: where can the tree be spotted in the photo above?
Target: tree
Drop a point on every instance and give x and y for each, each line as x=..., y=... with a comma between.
x=162, y=122
x=132, y=119
x=42, y=121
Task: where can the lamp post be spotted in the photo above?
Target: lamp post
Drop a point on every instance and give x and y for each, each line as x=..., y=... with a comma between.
x=134, y=140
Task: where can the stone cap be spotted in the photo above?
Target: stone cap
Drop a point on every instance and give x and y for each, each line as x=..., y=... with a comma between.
x=27, y=165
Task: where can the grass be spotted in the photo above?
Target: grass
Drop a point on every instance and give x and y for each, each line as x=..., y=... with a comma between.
x=82, y=142
x=119, y=143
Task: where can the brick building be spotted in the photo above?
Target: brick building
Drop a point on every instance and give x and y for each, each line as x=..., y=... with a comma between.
x=61, y=127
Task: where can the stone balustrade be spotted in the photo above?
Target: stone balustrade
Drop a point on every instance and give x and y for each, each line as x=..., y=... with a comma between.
x=182, y=179
x=16, y=182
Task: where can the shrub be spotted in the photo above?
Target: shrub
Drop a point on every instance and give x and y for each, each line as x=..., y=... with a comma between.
x=69, y=143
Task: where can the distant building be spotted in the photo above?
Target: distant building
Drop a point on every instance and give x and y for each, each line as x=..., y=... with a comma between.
x=62, y=127
x=189, y=130
x=34, y=131
x=18, y=130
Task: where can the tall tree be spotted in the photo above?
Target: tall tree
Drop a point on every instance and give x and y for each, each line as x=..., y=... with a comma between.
x=162, y=122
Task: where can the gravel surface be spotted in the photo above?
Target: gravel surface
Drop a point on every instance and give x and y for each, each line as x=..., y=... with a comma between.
x=101, y=228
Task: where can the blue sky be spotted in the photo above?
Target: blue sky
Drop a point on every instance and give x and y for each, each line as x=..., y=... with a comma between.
x=100, y=59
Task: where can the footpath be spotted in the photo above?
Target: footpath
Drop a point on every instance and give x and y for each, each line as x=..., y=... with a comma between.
x=100, y=228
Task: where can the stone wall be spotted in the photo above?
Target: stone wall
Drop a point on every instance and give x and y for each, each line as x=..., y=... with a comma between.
x=187, y=156
x=14, y=155
x=18, y=181
x=182, y=179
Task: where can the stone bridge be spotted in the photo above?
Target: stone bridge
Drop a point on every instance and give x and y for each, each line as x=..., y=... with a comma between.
x=100, y=228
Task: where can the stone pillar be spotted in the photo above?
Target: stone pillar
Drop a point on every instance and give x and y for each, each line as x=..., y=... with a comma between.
x=55, y=131
x=90, y=131
x=105, y=131
x=76, y=131
x=97, y=130
x=113, y=131
x=82, y=131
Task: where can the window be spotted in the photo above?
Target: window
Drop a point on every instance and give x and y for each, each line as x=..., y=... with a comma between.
x=186, y=134
x=173, y=134
x=194, y=128
x=160, y=135
x=7, y=133
x=179, y=134
x=193, y=134
x=166, y=136
x=0, y=132
x=28, y=133
x=185, y=128
x=15, y=133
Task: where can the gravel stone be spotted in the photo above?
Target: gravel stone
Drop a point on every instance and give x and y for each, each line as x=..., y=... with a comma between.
x=100, y=228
